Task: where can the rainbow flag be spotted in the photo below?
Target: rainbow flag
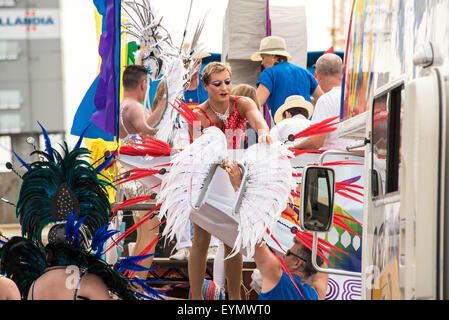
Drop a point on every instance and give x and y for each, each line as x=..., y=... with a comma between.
x=99, y=108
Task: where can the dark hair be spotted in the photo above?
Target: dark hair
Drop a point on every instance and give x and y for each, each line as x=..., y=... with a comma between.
x=295, y=111
x=307, y=268
x=133, y=75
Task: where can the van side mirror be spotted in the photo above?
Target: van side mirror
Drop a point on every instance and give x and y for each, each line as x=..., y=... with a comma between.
x=317, y=199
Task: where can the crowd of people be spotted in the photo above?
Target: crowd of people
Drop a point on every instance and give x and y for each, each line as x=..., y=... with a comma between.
x=288, y=90
x=295, y=100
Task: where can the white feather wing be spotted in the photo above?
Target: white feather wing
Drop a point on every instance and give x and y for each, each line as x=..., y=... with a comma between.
x=265, y=194
x=184, y=182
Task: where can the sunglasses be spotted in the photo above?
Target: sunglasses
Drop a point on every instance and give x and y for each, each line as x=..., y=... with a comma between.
x=218, y=83
x=291, y=253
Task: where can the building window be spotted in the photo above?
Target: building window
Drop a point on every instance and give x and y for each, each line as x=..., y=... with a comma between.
x=10, y=99
x=7, y=3
x=9, y=50
x=5, y=152
x=10, y=123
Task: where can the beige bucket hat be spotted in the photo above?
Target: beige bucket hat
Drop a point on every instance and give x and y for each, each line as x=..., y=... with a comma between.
x=200, y=55
x=293, y=102
x=271, y=45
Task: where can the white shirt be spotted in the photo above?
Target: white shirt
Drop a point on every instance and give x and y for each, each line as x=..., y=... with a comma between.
x=328, y=106
x=286, y=127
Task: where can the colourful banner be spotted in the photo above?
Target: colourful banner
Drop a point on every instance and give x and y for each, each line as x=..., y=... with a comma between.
x=95, y=108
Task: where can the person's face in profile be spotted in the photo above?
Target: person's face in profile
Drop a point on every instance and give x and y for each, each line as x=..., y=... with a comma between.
x=267, y=60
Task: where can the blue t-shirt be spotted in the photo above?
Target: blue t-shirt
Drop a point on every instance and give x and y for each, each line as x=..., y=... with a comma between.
x=286, y=290
x=195, y=97
x=284, y=80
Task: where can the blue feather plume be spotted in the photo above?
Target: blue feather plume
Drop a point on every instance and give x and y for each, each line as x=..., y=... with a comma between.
x=100, y=237
x=151, y=292
x=106, y=161
x=48, y=146
x=21, y=161
x=71, y=229
x=81, y=137
x=130, y=263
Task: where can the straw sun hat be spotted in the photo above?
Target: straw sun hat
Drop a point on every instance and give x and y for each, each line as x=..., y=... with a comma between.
x=293, y=102
x=271, y=45
x=200, y=55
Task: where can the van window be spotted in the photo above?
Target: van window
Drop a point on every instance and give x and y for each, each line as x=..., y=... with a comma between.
x=386, y=142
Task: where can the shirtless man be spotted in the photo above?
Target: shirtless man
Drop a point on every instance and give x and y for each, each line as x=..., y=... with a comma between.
x=134, y=118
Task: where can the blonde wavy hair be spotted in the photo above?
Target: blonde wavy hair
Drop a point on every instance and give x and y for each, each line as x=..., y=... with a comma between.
x=214, y=67
x=246, y=90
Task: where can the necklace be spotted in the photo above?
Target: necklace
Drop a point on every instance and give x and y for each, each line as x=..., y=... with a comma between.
x=222, y=116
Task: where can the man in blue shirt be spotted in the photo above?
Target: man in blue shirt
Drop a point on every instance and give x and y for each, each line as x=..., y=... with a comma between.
x=276, y=283
x=280, y=78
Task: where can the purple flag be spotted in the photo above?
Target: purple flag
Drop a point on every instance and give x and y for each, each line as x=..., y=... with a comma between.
x=107, y=94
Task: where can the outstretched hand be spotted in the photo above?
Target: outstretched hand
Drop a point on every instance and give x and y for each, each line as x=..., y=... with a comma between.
x=265, y=138
x=233, y=170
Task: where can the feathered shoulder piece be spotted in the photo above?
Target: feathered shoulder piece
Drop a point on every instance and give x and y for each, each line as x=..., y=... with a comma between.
x=186, y=183
x=59, y=187
x=174, y=64
x=156, y=44
x=264, y=193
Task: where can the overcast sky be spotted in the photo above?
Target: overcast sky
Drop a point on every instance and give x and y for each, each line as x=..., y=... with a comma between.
x=79, y=43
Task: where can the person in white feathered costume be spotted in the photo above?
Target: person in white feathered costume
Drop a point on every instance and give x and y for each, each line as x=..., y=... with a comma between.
x=225, y=118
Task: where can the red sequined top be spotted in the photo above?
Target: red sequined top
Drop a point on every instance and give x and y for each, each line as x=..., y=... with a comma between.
x=234, y=128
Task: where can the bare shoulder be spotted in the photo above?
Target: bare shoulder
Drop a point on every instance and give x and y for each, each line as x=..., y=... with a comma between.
x=244, y=101
x=94, y=288
x=199, y=111
x=244, y=105
x=9, y=288
x=131, y=108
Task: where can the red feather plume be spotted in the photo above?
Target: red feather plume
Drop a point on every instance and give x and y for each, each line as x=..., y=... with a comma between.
x=147, y=146
x=145, y=218
x=135, y=174
x=322, y=127
x=185, y=111
x=129, y=202
x=297, y=152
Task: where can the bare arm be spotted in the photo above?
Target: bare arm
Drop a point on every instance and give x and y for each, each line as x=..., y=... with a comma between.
x=311, y=143
x=136, y=116
x=269, y=266
x=255, y=119
x=317, y=93
x=319, y=282
x=160, y=97
x=262, y=94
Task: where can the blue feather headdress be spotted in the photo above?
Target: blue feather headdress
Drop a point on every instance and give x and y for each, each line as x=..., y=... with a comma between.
x=64, y=211
x=58, y=185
